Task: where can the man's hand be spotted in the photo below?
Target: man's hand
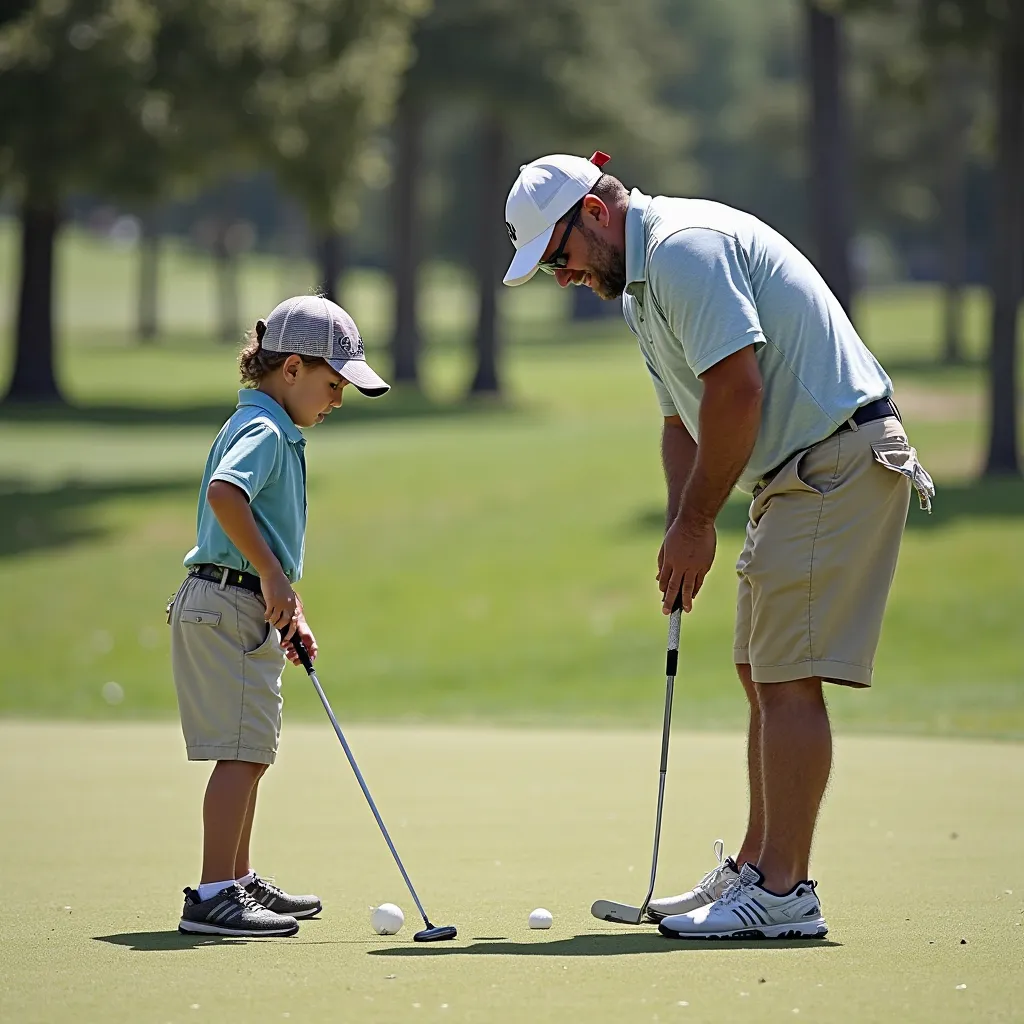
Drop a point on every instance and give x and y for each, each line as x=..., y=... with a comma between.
x=282, y=610
x=684, y=560
x=307, y=638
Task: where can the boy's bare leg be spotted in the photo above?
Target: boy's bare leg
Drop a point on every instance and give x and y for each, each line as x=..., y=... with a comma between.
x=754, y=839
x=225, y=809
x=243, y=864
x=796, y=758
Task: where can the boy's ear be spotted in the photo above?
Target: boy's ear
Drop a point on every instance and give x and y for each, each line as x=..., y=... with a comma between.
x=290, y=367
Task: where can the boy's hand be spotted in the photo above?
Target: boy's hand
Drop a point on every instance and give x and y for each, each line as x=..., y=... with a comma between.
x=306, y=636
x=281, y=601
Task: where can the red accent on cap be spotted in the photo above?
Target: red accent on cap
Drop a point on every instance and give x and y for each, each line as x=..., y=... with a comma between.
x=599, y=159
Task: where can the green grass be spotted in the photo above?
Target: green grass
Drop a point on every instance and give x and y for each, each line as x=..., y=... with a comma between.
x=100, y=833
x=465, y=561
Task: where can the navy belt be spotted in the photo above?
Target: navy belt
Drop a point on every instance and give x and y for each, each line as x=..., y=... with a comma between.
x=225, y=576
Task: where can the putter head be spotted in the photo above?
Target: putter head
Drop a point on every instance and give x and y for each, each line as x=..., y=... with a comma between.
x=436, y=934
x=619, y=913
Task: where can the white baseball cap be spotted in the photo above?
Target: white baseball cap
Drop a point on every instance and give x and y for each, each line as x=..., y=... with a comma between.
x=545, y=190
x=314, y=326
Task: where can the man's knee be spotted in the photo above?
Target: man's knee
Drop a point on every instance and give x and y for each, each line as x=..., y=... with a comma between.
x=749, y=686
x=794, y=692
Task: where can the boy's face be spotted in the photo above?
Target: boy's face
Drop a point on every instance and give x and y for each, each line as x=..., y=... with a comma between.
x=310, y=392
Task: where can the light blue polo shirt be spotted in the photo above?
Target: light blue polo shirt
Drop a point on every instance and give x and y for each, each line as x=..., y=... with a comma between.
x=704, y=281
x=259, y=450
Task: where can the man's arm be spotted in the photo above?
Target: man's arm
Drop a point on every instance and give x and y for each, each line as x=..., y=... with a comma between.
x=730, y=418
x=678, y=454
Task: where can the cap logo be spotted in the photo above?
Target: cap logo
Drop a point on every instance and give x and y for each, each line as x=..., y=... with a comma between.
x=351, y=349
x=511, y=232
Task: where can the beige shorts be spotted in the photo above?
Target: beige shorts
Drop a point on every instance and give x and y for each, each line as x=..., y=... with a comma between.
x=227, y=665
x=820, y=554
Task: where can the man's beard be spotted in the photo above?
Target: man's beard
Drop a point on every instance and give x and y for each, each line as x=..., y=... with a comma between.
x=607, y=266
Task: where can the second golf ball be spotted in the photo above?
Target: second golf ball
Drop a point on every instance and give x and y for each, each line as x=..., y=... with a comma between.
x=387, y=919
x=540, y=918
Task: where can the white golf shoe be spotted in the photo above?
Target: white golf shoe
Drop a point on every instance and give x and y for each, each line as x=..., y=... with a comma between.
x=706, y=891
x=748, y=911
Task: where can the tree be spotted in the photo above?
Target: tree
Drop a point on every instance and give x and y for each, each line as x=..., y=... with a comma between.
x=998, y=27
x=324, y=77
x=829, y=150
x=586, y=75
x=75, y=98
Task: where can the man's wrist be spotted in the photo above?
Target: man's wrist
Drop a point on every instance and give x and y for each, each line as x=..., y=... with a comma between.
x=694, y=520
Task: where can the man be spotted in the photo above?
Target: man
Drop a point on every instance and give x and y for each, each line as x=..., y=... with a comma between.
x=765, y=386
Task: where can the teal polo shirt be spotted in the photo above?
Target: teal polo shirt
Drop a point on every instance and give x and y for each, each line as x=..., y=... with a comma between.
x=703, y=281
x=260, y=451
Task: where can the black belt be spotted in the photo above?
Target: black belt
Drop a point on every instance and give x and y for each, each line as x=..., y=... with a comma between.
x=233, y=577
x=879, y=409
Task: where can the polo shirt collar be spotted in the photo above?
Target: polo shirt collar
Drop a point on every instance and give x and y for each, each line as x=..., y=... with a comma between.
x=636, y=237
x=250, y=396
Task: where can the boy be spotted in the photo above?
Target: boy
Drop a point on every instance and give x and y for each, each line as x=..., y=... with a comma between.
x=237, y=607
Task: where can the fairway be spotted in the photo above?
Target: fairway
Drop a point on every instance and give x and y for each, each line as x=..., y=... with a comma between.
x=915, y=854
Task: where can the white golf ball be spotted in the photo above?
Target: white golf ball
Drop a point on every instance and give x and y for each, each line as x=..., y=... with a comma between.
x=540, y=918
x=386, y=919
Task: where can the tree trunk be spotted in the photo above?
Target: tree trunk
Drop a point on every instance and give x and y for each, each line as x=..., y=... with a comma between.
x=1008, y=240
x=829, y=151
x=953, y=205
x=330, y=256
x=490, y=218
x=228, y=317
x=406, y=342
x=149, y=270
x=34, y=379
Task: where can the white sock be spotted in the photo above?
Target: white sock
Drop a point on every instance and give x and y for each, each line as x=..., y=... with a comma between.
x=246, y=879
x=208, y=889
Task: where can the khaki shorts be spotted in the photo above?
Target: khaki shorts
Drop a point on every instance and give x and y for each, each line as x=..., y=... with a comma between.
x=822, y=540
x=227, y=665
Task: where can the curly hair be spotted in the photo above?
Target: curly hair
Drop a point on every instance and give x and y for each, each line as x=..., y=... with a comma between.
x=255, y=362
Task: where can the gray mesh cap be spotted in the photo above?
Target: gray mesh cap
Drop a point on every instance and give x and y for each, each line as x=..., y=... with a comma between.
x=310, y=325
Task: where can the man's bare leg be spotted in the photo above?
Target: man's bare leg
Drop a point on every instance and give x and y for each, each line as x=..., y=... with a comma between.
x=753, y=841
x=796, y=758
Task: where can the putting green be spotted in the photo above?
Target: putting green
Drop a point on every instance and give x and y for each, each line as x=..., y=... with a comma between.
x=100, y=832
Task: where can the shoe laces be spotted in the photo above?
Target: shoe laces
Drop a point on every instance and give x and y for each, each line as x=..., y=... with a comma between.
x=736, y=891
x=714, y=876
x=246, y=899
x=267, y=885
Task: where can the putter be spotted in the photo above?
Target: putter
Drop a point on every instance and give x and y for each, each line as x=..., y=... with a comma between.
x=623, y=913
x=431, y=933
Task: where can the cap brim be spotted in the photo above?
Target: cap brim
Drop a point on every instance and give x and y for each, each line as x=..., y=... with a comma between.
x=358, y=372
x=524, y=263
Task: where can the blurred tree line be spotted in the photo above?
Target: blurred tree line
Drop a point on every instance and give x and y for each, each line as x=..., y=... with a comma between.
x=868, y=131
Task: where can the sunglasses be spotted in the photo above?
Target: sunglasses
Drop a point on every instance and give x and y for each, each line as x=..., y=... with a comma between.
x=558, y=259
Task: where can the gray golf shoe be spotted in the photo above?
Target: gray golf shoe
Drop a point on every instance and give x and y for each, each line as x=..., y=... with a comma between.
x=233, y=912
x=276, y=899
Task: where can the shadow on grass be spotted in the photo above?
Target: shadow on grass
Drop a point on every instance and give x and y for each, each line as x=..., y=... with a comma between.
x=399, y=405
x=147, y=942
x=988, y=498
x=33, y=518
x=615, y=944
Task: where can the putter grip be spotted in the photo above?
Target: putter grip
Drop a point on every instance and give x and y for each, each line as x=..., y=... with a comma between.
x=672, y=658
x=300, y=650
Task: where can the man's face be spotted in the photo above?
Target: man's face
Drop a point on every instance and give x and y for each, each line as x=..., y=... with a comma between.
x=594, y=260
